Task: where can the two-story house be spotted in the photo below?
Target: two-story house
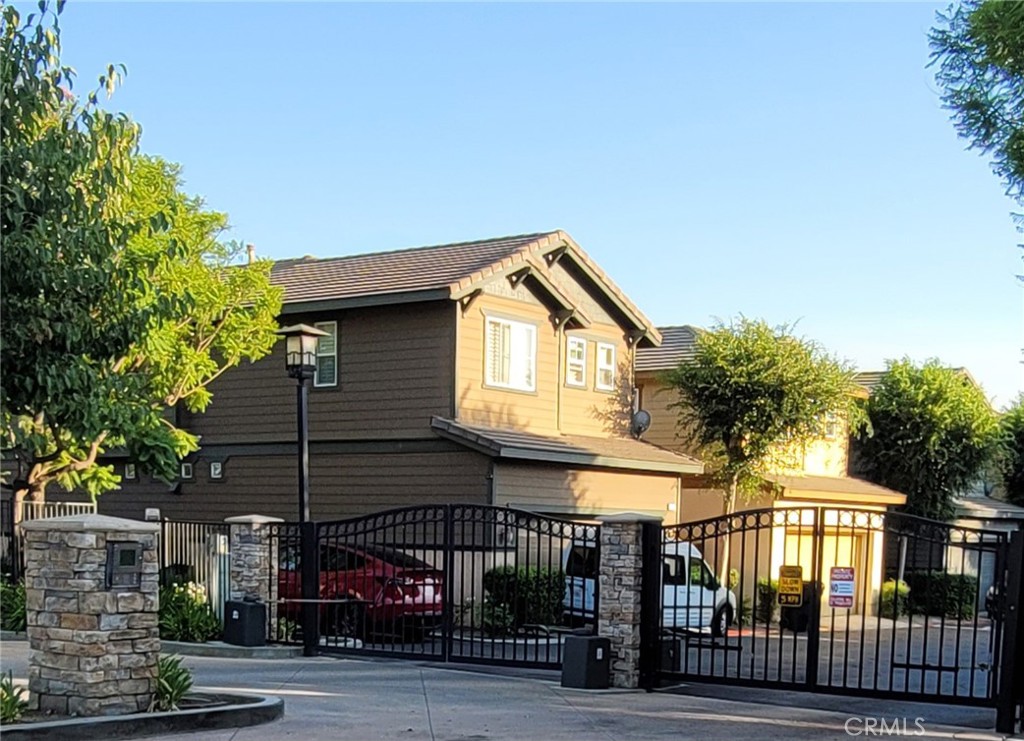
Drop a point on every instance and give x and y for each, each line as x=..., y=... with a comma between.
x=495, y=372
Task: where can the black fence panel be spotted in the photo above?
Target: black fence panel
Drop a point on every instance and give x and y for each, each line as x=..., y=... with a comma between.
x=11, y=566
x=835, y=600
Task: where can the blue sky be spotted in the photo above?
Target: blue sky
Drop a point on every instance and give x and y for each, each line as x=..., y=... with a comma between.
x=784, y=161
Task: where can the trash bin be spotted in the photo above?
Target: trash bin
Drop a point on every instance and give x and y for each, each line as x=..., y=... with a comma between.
x=797, y=619
x=586, y=662
x=245, y=623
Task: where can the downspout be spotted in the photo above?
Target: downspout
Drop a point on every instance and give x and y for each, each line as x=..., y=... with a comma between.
x=559, y=336
x=491, y=500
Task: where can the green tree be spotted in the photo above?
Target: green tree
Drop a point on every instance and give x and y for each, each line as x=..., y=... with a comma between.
x=1011, y=455
x=753, y=393
x=117, y=298
x=932, y=432
x=978, y=46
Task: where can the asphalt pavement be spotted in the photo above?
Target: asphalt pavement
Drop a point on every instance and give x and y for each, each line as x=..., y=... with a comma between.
x=359, y=699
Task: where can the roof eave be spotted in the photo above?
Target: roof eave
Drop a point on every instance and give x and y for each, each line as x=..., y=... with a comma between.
x=355, y=302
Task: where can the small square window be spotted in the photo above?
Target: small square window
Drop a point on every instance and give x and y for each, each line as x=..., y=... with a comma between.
x=216, y=470
x=129, y=472
x=186, y=470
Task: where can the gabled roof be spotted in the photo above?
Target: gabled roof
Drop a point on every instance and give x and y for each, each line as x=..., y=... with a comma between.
x=871, y=379
x=574, y=450
x=836, y=488
x=987, y=508
x=448, y=271
x=678, y=344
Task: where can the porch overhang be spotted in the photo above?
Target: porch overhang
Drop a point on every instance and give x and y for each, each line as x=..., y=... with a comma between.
x=835, y=490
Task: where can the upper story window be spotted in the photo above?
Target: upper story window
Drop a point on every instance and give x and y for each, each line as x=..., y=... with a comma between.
x=576, y=362
x=605, y=367
x=327, y=355
x=511, y=354
x=831, y=426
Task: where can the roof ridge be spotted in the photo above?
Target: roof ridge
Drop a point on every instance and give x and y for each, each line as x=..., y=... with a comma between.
x=528, y=235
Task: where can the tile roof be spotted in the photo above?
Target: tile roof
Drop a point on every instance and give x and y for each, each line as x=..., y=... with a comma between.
x=868, y=379
x=838, y=487
x=987, y=508
x=610, y=452
x=678, y=344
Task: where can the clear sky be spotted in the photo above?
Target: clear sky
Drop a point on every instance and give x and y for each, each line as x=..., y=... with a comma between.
x=783, y=161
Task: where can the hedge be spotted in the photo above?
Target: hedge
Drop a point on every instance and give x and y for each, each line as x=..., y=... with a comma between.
x=531, y=596
x=940, y=593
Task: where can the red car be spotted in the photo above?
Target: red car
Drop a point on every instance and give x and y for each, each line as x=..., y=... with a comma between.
x=382, y=589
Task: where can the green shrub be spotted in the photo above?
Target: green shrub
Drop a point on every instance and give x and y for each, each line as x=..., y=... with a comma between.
x=496, y=618
x=767, y=592
x=894, y=602
x=12, y=606
x=532, y=596
x=940, y=593
x=173, y=681
x=186, y=615
x=12, y=704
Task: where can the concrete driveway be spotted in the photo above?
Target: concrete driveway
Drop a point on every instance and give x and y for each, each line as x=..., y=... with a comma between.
x=336, y=698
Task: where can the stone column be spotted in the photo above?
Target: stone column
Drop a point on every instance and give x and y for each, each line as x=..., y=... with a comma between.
x=620, y=575
x=253, y=561
x=93, y=648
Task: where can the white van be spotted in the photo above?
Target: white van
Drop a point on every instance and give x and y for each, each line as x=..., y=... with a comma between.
x=691, y=599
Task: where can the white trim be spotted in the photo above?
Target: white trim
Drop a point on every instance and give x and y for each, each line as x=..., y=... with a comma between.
x=216, y=470
x=515, y=358
x=187, y=471
x=130, y=472
x=570, y=364
x=332, y=329
x=602, y=366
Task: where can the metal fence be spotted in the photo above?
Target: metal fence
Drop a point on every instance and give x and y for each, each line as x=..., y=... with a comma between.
x=197, y=552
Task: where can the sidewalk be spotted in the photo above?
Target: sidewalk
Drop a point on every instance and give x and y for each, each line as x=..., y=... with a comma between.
x=350, y=699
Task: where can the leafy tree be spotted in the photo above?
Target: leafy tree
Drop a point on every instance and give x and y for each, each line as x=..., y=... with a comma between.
x=1011, y=454
x=752, y=394
x=932, y=431
x=979, y=48
x=115, y=291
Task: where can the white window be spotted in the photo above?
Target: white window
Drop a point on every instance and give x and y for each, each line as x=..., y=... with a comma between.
x=216, y=470
x=511, y=354
x=129, y=472
x=831, y=426
x=327, y=355
x=605, y=367
x=576, y=362
x=186, y=470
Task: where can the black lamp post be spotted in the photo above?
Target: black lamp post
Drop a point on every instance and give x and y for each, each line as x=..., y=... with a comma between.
x=300, y=362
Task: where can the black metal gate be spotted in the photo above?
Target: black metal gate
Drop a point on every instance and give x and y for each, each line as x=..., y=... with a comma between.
x=836, y=600
x=452, y=582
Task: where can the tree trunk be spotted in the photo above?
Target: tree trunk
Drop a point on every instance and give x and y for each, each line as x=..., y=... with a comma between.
x=32, y=492
x=729, y=507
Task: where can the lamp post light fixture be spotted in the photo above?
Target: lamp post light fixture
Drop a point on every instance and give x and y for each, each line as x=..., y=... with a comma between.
x=300, y=362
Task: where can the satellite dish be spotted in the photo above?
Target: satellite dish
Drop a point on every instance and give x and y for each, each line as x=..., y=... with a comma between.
x=640, y=423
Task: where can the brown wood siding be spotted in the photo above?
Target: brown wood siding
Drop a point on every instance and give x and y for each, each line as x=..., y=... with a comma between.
x=341, y=486
x=581, y=491
x=588, y=411
x=656, y=399
x=395, y=372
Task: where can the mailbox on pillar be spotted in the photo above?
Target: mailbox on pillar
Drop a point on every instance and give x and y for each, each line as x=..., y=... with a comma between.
x=124, y=566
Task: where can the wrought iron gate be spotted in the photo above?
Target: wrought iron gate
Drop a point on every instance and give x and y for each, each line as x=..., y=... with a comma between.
x=835, y=600
x=452, y=582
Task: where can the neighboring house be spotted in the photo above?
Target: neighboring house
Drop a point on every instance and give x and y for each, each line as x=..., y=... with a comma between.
x=813, y=475
x=493, y=372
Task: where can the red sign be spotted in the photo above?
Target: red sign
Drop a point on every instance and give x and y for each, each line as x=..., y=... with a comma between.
x=841, y=587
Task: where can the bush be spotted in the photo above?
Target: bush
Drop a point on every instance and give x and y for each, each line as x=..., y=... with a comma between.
x=532, y=596
x=894, y=602
x=496, y=618
x=186, y=615
x=12, y=606
x=12, y=704
x=940, y=593
x=767, y=592
x=173, y=681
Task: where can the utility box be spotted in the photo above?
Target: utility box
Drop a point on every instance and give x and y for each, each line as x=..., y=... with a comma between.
x=245, y=623
x=586, y=662
x=671, y=654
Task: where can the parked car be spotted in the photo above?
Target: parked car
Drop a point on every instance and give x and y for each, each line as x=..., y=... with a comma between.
x=384, y=589
x=692, y=598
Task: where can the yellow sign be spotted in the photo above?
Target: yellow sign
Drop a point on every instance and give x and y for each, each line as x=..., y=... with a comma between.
x=791, y=586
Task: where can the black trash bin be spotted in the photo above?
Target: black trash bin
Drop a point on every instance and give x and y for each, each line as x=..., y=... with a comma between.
x=586, y=662
x=797, y=619
x=245, y=623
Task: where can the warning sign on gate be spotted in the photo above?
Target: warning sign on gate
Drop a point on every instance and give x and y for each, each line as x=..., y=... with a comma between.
x=841, y=587
x=791, y=586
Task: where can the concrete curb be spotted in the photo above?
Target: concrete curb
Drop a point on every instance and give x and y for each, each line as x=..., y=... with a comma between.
x=221, y=650
x=250, y=710
x=10, y=635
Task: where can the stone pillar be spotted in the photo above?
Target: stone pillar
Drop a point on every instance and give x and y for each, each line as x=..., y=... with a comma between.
x=253, y=561
x=620, y=575
x=93, y=648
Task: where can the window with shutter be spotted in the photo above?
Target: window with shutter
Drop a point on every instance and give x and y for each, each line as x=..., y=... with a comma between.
x=510, y=353
x=327, y=356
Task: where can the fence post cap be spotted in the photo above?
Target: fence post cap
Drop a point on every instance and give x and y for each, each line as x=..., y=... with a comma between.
x=90, y=522
x=629, y=517
x=252, y=520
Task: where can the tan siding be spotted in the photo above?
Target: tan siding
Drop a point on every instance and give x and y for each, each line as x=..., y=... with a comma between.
x=657, y=399
x=579, y=295
x=395, y=372
x=341, y=485
x=581, y=491
x=588, y=411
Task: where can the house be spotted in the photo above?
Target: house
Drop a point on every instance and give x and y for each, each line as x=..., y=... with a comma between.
x=813, y=475
x=492, y=372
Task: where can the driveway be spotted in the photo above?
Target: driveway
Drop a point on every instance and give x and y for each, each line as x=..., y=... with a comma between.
x=354, y=699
